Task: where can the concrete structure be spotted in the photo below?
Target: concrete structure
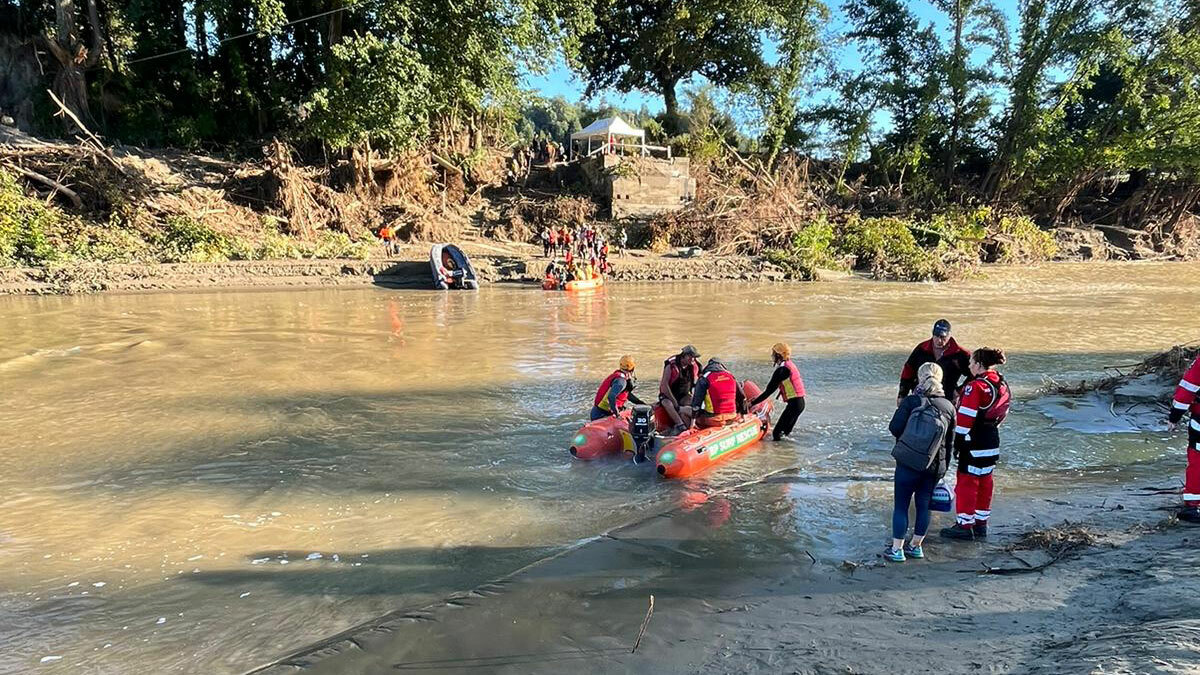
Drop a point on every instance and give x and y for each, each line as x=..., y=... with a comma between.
x=640, y=187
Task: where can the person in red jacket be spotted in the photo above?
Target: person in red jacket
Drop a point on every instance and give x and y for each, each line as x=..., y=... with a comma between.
x=718, y=398
x=942, y=350
x=981, y=409
x=786, y=379
x=616, y=390
x=1187, y=400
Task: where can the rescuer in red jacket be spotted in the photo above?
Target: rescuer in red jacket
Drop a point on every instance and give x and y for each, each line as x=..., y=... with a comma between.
x=1187, y=400
x=942, y=350
x=982, y=407
x=718, y=398
x=616, y=390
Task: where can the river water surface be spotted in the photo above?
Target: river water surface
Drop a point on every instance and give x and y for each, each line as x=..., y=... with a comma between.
x=202, y=482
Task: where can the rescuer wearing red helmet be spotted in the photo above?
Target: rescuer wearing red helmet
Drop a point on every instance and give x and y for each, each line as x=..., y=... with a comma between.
x=982, y=407
x=787, y=380
x=615, y=390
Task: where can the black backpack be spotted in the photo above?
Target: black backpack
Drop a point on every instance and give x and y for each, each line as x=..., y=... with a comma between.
x=924, y=437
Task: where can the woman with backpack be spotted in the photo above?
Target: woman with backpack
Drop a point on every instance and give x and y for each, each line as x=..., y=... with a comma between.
x=981, y=409
x=921, y=425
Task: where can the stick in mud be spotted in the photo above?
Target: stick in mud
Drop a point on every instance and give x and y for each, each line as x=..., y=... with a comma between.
x=645, y=622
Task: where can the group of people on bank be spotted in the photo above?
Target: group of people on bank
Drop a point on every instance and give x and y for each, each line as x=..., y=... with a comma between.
x=951, y=403
x=584, y=253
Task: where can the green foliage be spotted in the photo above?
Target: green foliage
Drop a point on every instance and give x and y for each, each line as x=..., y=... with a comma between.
x=812, y=249
x=777, y=91
x=339, y=245
x=1019, y=240
x=887, y=248
x=276, y=246
x=26, y=226
x=104, y=243
x=388, y=100
x=185, y=240
x=652, y=46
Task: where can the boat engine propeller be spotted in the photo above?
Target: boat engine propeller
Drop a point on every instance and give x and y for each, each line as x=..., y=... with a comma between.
x=641, y=428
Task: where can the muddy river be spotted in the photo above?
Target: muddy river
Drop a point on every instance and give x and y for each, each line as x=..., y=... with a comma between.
x=203, y=482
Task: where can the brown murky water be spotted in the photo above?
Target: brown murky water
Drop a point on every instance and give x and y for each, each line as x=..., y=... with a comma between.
x=203, y=482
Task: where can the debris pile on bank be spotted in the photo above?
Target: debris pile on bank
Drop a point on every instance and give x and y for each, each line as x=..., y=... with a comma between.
x=803, y=224
x=1159, y=373
x=1127, y=398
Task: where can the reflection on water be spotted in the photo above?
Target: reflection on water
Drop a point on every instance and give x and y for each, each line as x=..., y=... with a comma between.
x=206, y=481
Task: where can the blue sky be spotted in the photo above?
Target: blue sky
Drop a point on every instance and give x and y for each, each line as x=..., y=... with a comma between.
x=560, y=81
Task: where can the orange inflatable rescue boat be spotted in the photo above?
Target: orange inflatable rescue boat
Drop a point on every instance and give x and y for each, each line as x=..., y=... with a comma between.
x=698, y=449
x=610, y=435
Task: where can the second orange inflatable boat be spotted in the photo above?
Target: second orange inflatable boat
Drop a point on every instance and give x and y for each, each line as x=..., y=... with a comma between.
x=610, y=435
x=698, y=449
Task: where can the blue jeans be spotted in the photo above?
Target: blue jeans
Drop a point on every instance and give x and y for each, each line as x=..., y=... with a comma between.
x=597, y=413
x=912, y=484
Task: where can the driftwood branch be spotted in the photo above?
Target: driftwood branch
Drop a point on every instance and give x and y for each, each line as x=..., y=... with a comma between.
x=48, y=182
x=96, y=144
x=645, y=622
x=445, y=163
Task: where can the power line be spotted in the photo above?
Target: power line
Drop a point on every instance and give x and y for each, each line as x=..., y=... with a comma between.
x=238, y=37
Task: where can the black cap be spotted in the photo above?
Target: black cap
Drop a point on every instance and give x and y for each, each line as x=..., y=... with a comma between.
x=941, y=328
x=689, y=351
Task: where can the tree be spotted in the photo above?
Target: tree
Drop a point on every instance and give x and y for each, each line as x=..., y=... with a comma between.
x=1052, y=32
x=74, y=56
x=978, y=31
x=387, y=102
x=777, y=92
x=652, y=45
x=901, y=59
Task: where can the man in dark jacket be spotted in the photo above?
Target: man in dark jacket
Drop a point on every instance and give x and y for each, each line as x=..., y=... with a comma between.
x=942, y=350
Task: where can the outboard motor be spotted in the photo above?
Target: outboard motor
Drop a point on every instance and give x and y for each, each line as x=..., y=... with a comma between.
x=641, y=428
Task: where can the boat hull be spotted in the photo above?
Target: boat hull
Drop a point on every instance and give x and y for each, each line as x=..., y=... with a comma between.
x=699, y=449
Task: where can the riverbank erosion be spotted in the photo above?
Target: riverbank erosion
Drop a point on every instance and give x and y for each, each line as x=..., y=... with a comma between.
x=1096, y=581
x=91, y=217
x=494, y=262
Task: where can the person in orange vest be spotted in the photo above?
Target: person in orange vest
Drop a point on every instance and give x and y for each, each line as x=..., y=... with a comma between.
x=388, y=235
x=786, y=379
x=616, y=390
x=718, y=398
x=1187, y=401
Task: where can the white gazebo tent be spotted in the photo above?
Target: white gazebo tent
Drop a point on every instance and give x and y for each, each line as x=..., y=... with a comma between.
x=607, y=136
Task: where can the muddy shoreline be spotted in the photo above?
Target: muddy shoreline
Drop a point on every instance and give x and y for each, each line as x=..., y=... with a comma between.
x=494, y=262
x=1125, y=603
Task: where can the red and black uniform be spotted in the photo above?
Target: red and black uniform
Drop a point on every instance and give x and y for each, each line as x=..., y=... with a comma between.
x=718, y=398
x=787, y=380
x=1187, y=400
x=955, y=363
x=984, y=405
x=680, y=380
